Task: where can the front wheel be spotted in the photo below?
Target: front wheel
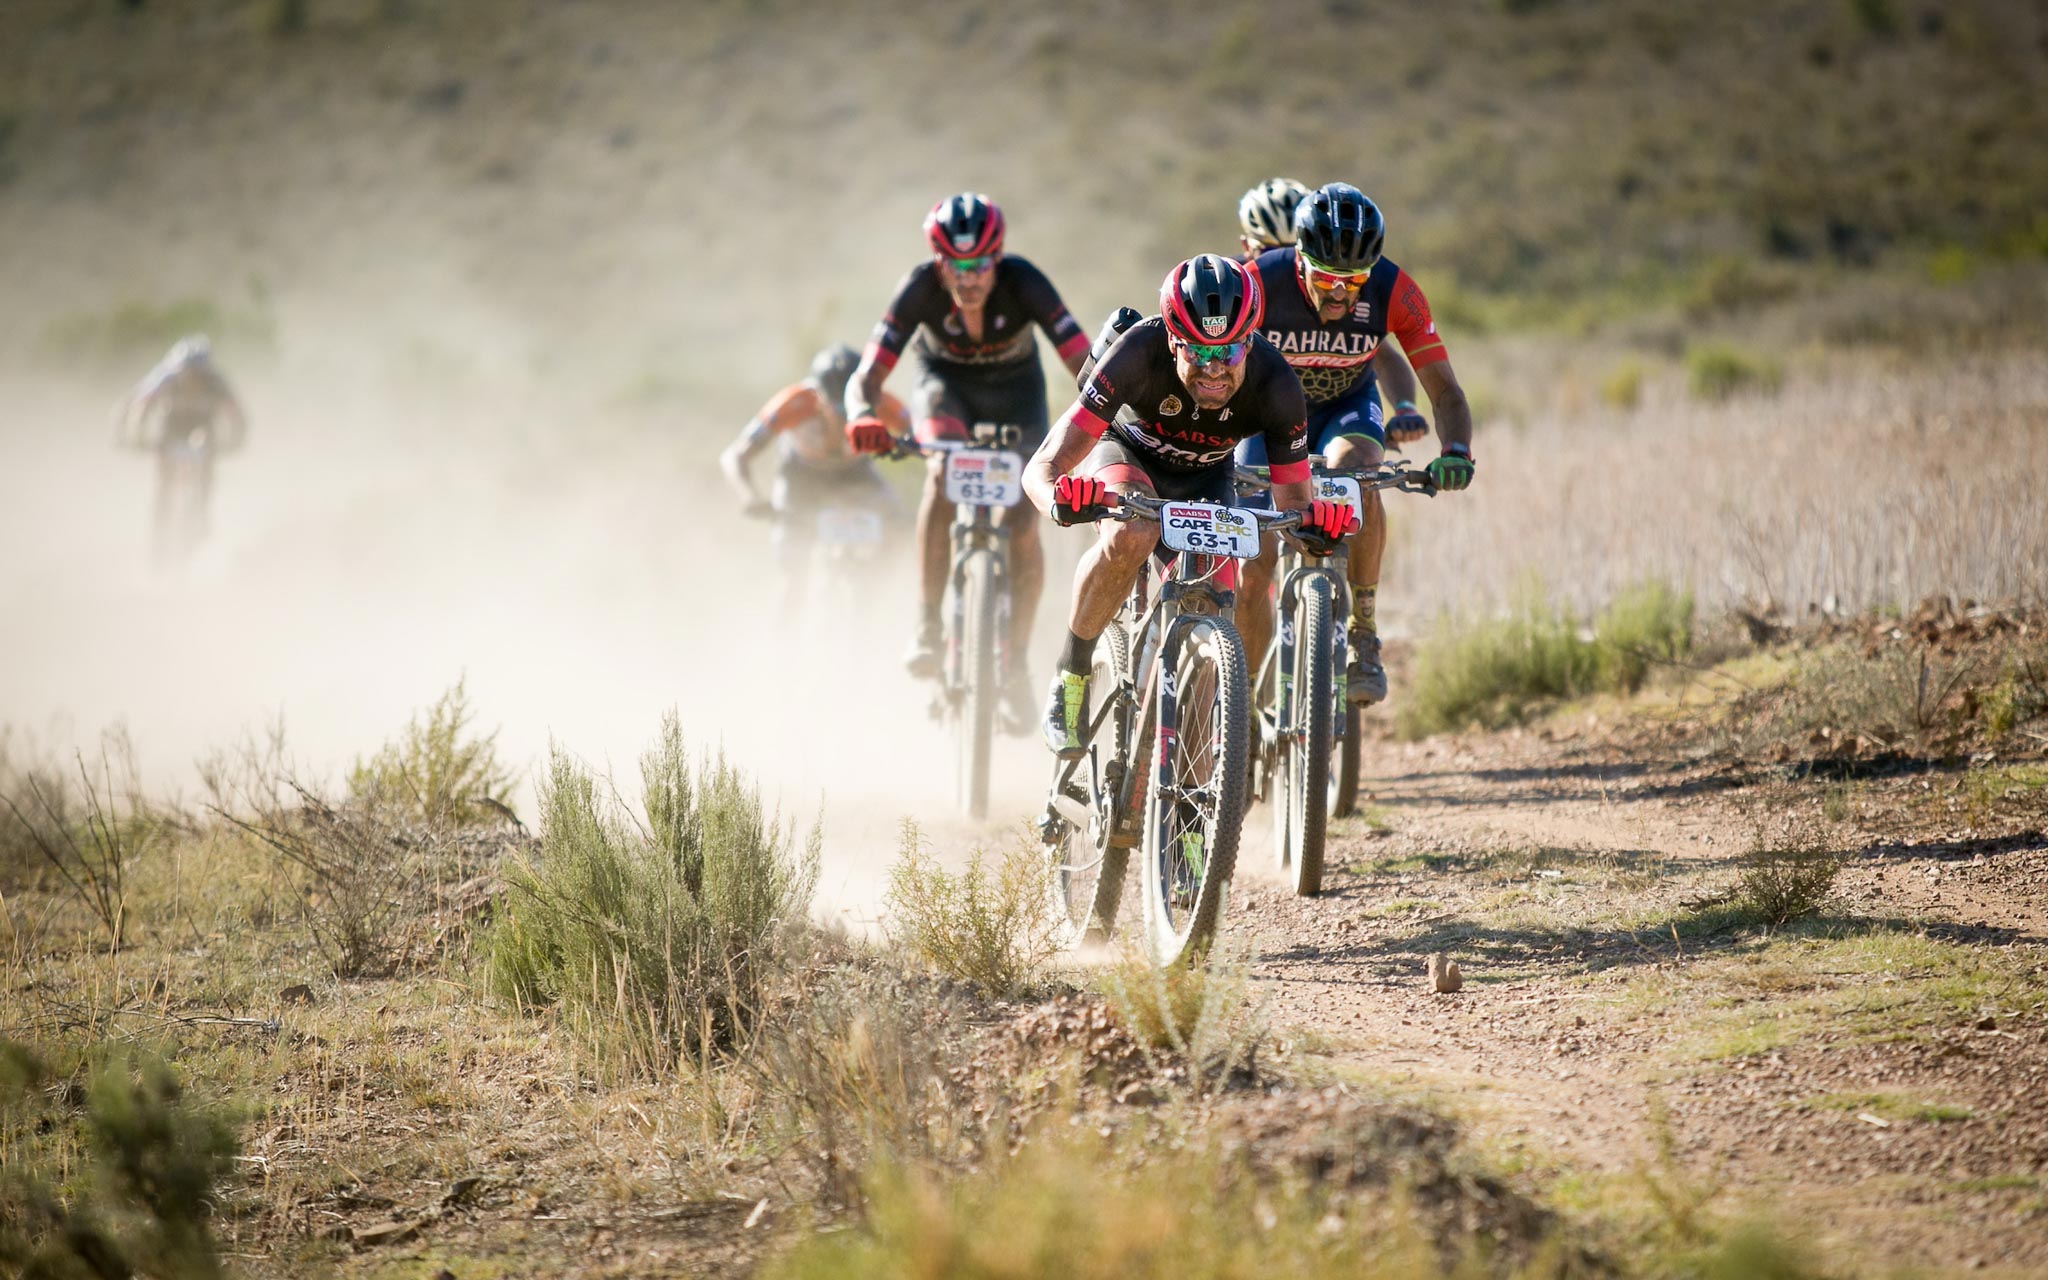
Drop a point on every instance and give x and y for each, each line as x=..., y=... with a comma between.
x=1088, y=865
x=979, y=584
x=1343, y=790
x=1302, y=767
x=1194, y=802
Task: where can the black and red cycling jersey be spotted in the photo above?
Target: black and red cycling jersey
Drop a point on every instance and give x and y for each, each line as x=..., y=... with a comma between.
x=1333, y=359
x=1135, y=394
x=922, y=314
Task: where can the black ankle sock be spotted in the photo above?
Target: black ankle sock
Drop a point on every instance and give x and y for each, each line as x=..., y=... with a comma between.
x=1078, y=655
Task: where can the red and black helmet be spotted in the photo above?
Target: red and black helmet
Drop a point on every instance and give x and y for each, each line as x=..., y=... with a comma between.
x=1211, y=299
x=965, y=226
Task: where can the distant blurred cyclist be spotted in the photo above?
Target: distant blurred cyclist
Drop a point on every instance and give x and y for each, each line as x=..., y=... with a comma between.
x=1331, y=299
x=969, y=312
x=1265, y=217
x=186, y=413
x=815, y=466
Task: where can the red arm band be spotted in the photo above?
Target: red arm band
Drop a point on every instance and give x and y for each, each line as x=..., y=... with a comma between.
x=1289, y=473
x=1074, y=346
x=1088, y=423
x=879, y=356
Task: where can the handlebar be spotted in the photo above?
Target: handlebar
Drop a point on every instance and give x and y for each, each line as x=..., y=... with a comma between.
x=1136, y=506
x=1403, y=480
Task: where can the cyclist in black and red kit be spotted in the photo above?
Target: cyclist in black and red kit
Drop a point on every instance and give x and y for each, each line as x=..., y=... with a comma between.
x=969, y=314
x=1160, y=413
x=1331, y=301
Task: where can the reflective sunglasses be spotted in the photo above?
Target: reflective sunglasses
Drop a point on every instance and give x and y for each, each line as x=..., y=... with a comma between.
x=1231, y=353
x=971, y=266
x=1321, y=277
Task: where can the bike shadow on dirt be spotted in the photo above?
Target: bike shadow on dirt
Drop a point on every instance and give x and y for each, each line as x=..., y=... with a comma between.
x=1498, y=950
x=1640, y=779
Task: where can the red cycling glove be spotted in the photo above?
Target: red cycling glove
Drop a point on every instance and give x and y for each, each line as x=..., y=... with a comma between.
x=1325, y=524
x=866, y=434
x=1079, y=500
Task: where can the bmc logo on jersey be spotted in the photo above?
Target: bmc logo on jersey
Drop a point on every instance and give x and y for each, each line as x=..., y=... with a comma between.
x=1213, y=325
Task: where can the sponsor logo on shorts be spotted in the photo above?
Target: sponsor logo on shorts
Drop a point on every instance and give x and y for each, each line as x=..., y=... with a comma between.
x=1169, y=406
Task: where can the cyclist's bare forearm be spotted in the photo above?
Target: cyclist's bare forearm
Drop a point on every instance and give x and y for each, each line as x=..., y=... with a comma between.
x=864, y=388
x=1447, y=398
x=1292, y=497
x=1065, y=447
x=1397, y=380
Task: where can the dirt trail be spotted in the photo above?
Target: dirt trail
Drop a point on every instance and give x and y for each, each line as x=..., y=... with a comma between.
x=1567, y=877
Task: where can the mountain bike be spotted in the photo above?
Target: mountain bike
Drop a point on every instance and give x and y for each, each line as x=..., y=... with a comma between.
x=982, y=477
x=184, y=483
x=1169, y=738
x=1304, y=715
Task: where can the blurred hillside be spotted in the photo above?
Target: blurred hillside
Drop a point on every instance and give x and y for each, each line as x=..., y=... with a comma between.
x=614, y=206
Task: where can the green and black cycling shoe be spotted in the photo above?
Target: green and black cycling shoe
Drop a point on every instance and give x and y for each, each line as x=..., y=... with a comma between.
x=1066, y=715
x=921, y=659
x=1365, y=680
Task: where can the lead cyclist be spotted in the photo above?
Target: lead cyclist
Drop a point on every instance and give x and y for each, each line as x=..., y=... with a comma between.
x=1158, y=415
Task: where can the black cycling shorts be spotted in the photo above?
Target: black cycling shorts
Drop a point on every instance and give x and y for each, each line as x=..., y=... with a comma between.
x=1114, y=462
x=950, y=398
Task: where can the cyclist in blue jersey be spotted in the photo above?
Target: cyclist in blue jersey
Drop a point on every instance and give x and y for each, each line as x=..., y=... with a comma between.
x=1331, y=300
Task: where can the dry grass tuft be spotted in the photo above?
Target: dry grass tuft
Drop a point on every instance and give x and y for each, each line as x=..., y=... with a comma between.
x=1786, y=877
x=993, y=924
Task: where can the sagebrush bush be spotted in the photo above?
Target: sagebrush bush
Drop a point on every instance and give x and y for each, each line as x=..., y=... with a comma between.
x=661, y=939
x=153, y=1162
x=993, y=924
x=438, y=768
x=82, y=825
x=1203, y=1014
x=1786, y=877
x=1494, y=672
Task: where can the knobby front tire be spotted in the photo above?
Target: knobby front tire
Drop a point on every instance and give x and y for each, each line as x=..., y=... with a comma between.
x=979, y=584
x=1343, y=789
x=1194, y=802
x=1302, y=806
x=1087, y=868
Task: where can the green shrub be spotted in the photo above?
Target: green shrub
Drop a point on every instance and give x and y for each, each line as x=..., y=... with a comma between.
x=1496, y=672
x=437, y=769
x=1203, y=1014
x=661, y=939
x=1786, y=878
x=152, y=1164
x=1720, y=373
x=993, y=924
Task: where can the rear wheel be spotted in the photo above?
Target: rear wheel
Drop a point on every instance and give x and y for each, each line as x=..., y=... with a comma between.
x=1087, y=868
x=979, y=584
x=1194, y=804
x=1301, y=807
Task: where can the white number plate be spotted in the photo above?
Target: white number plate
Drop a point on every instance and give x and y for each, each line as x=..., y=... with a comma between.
x=1211, y=530
x=849, y=527
x=984, y=477
x=1341, y=489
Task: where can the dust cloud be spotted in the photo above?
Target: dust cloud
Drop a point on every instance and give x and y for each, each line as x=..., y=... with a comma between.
x=363, y=558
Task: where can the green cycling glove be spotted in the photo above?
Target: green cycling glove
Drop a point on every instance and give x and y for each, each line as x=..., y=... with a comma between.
x=1451, y=471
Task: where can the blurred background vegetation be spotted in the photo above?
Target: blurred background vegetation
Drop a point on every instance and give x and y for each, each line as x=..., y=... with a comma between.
x=660, y=208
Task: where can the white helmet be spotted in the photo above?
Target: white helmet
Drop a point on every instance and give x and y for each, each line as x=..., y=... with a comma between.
x=192, y=349
x=1267, y=211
